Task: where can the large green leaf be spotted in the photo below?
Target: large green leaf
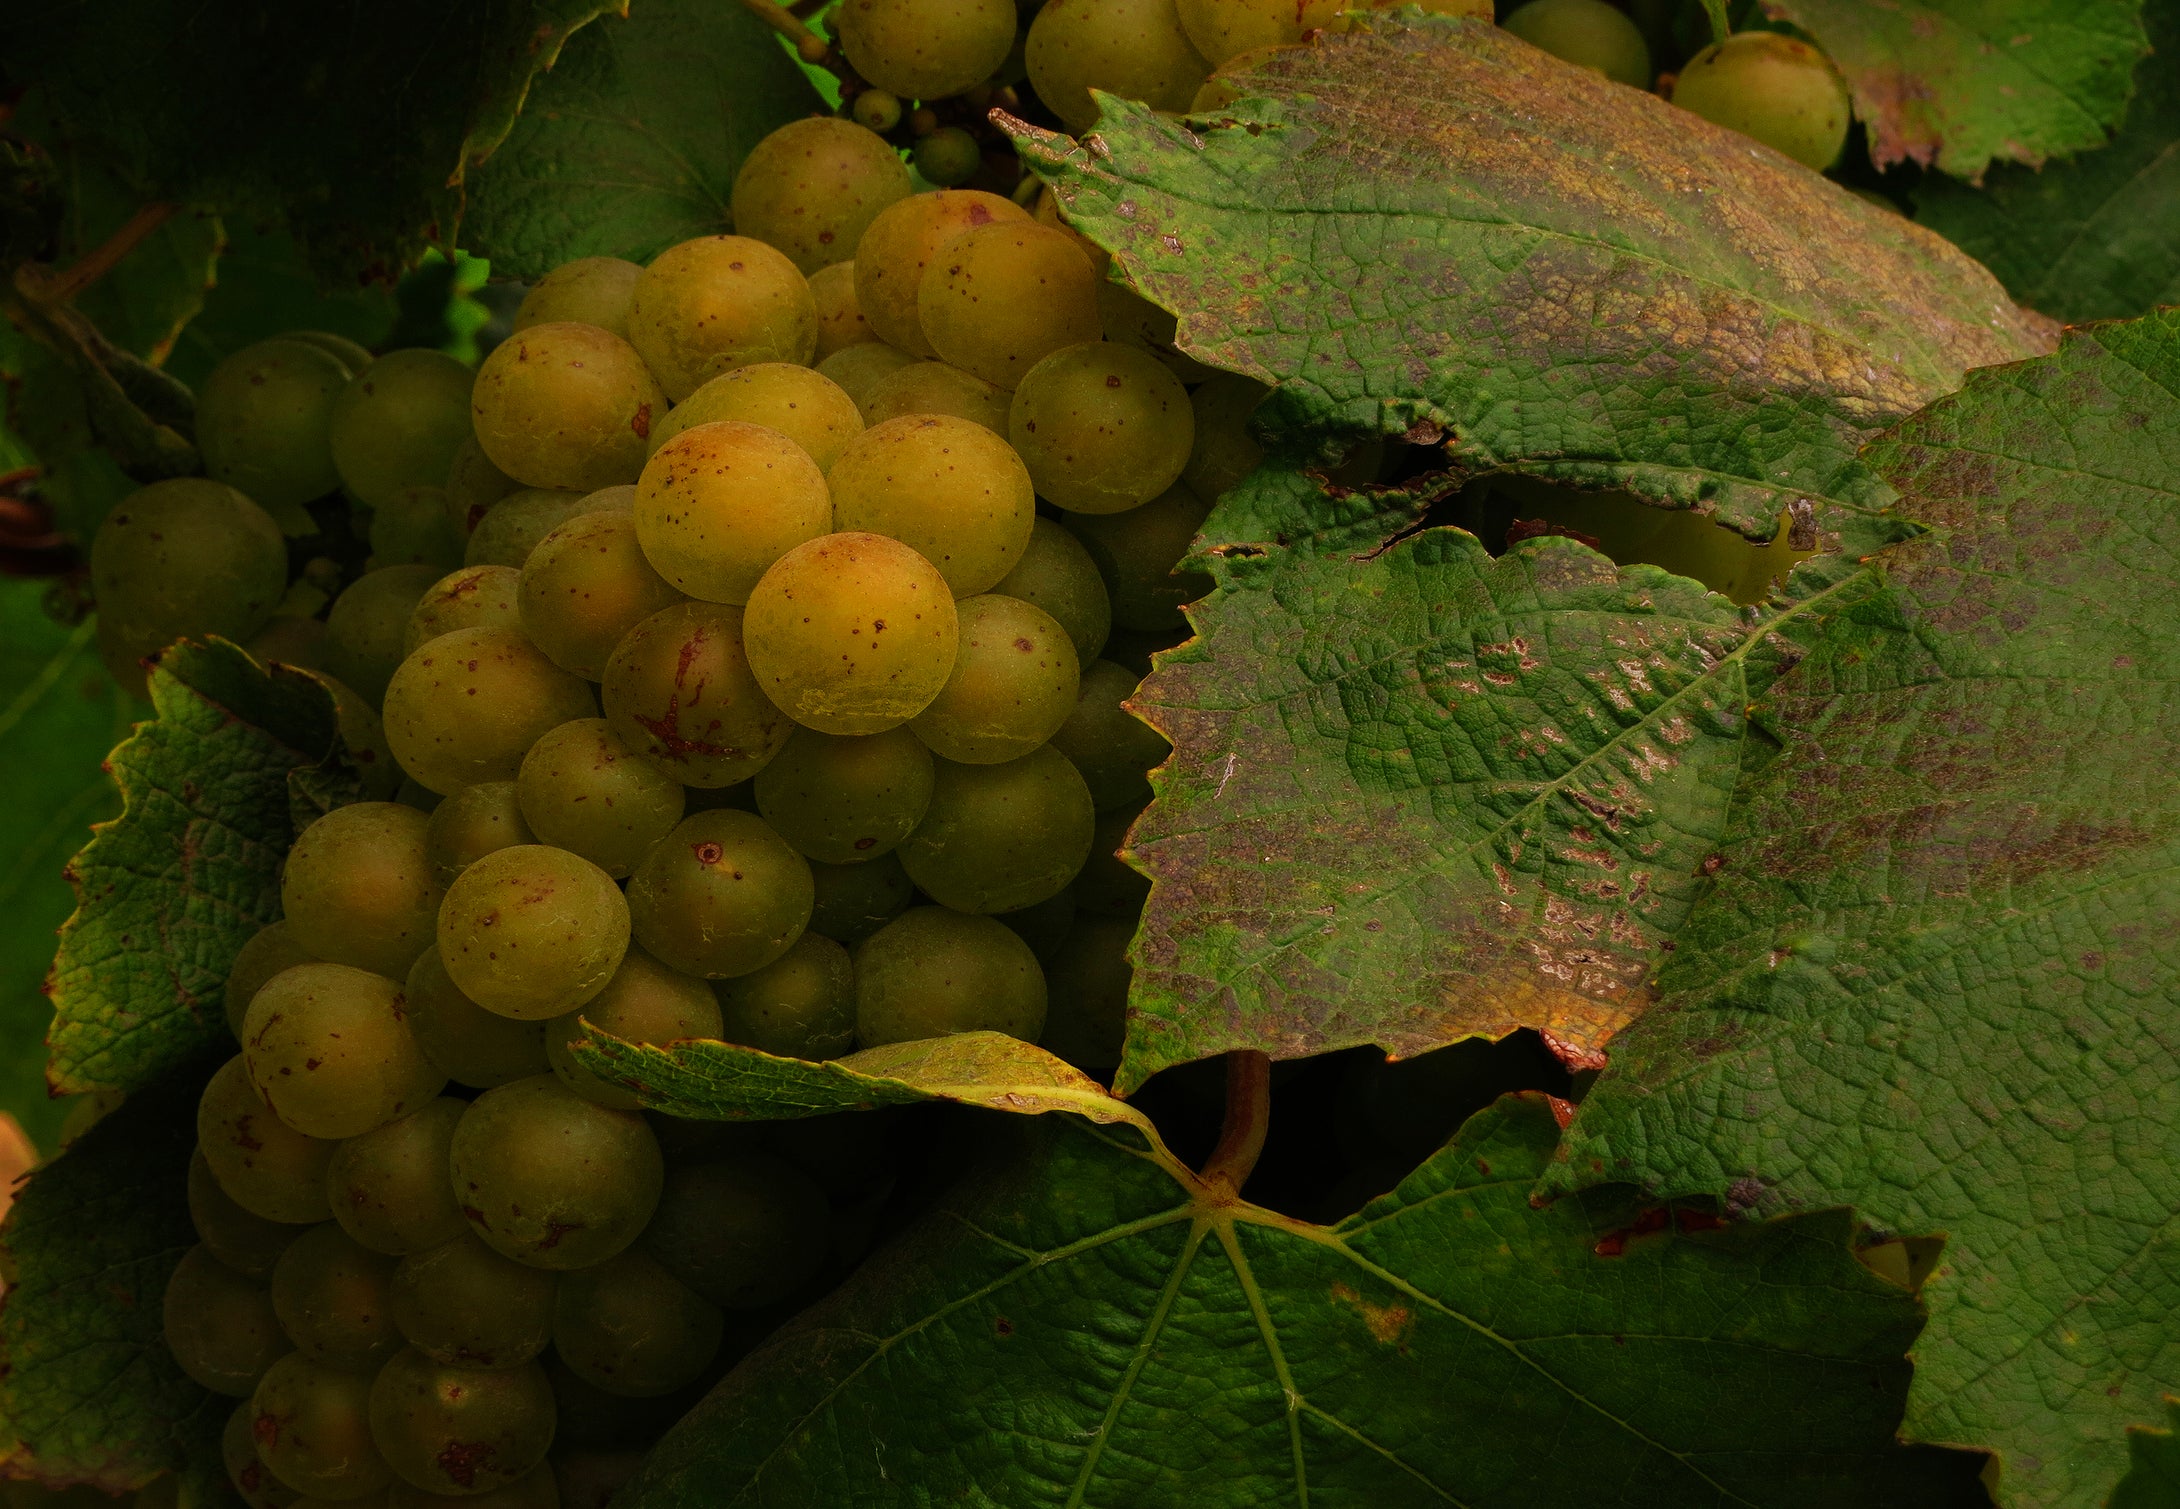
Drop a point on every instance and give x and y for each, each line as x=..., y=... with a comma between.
x=2153, y=1473
x=1936, y=974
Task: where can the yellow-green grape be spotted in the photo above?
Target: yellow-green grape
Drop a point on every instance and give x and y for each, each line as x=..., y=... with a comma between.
x=329, y=1050
x=948, y=157
x=1000, y=298
x=262, y=421
x=850, y=902
x=1109, y=886
x=313, y=1429
x=551, y=1179
x=842, y=798
x=878, y=109
x=901, y=243
x=936, y=388
x=472, y=597
x=931, y=972
x=358, y=887
x=1045, y=926
x=589, y=291
x=851, y=633
x=1132, y=320
x=566, y=405
x=471, y=1045
x=186, y=557
x=631, y=1328
x=925, y=49
x=585, y=791
x=948, y=488
x=519, y=522
x=271, y=949
x=456, y=1430
x=801, y=1005
x=742, y=1233
x=411, y=529
x=1113, y=748
x=646, y=1002
x=1131, y=48
x=813, y=187
x=722, y=501
x=1101, y=427
x=1056, y=574
x=1225, y=452
x=241, y=1239
x=716, y=303
x=353, y=355
x=806, y=406
x=389, y=1188
x=288, y=640
x=265, y=1166
x=1001, y=837
x=473, y=822
x=721, y=895
x=1773, y=87
x=858, y=369
x=253, y=1481
x=1137, y=553
x=1590, y=34
x=679, y=691
x=840, y=317
x=399, y=423
x=464, y=1304
x=220, y=1325
x=472, y=486
x=1086, y=1015
x=369, y=622
x=585, y=586
x=468, y=705
x=1014, y=682
x=532, y=932
x=331, y=1294
x=1221, y=28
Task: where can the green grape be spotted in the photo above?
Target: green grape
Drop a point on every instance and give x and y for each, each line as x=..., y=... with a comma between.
x=679, y=691
x=1776, y=88
x=1113, y=748
x=1056, y=574
x=841, y=799
x=270, y=950
x=399, y=423
x=631, y=1328
x=411, y=529
x=858, y=369
x=353, y=355
x=840, y=317
x=1102, y=428
x=539, y=1488
x=241, y=1239
x=1137, y=553
x=925, y=49
x=463, y=1304
x=1044, y=926
x=645, y=1002
x=551, y=1179
x=289, y=640
x=948, y=157
x=262, y=419
x=473, y=1046
x=473, y=485
x=1225, y=452
x=585, y=791
x=566, y=405
x=721, y=502
x=519, y=522
x=188, y=557
x=1131, y=48
x=948, y=488
x=254, y=1482
x=368, y=624
x=813, y=187
x=878, y=109
x=220, y=1324
x=313, y=1429
x=468, y=705
x=456, y=1430
x=473, y=597
x=265, y=1166
x=850, y=902
x=329, y=1050
x=532, y=932
x=1588, y=33
x=389, y=1188
x=1003, y=297
x=807, y=407
x=721, y=895
x=936, y=388
x=358, y=887
x=588, y=291
x=1086, y=1018
x=801, y=1005
x=1001, y=837
x=743, y=1233
x=931, y=972
x=1129, y=319
x=1108, y=885
x=473, y=822
x=851, y=633
x=901, y=244
x=332, y=1296
x=1013, y=684
x=716, y=303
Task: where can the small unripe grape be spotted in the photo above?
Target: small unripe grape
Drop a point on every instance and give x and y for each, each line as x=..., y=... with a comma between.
x=1773, y=87
x=876, y=109
x=905, y=240
x=1109, y=886
x=936, y=388
x=270, y=949
x=721, y=502
x=453, y=1430
x=519, y=522
x=645, y=1002
x=1136, y=552
x=1056, y=574
x=263, y=417
x=368, y=624
x=721, y=895
x=313, y=1429
x=1131, y=48
x=1086, y=1015
x=850, y=902
x=551, y=1179
x=585, y=791
x=1001, y=837
x=399, y=423
x=532, y=932
x=931, y=972
x=1114, y=749
x=1044, y=926
x=858, y=369
x=358, y=887
x=473, y=822
x=741, y=1233
x=585, y=586
x=265, y=1166
x=464, y=1304
x=472, y=597
x=187, y=557
x=241, y=1239
x=1000, y=298
x=843, y=798
x=801, y=1005
x=1014, y=682
x=471, y=1045
x=925, y=49
x=389, y=1187
x=473, y=484
x=1588, y=33
x=468, y=705
x=813, y=187
x=716, y=303
x=806, y=406
x=331, y=1294
x=328, y=1048
x=948, y=157
x=1101, y=427
x=219, y=1325
x=589, y=291
x=631, y=1328
x=680, y=692
x=1224, y=452
x=852, y=633
x=948, y=488
x=410, y=529
x=566, y=405
x=840, y=317
x=253, y=1480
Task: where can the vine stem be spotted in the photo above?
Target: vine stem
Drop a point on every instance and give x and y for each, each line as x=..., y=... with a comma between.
x=808, y=44
x=1248, y=1118
x=64, y=286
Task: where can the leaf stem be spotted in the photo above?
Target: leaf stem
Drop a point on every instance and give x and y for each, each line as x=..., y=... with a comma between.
x=1248, y=1118
x=811, y=47
x=65, y=286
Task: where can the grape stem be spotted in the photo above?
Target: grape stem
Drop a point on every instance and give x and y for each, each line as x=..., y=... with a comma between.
x=64, y=286
x=808, y=44
x=1721, y=24
x=1248, y=1117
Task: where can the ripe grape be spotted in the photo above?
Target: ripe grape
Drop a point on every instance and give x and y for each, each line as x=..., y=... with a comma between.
x=1136, y=552
x=631, y=1328
x=645, y=1002
x=1086, y=1017
x=244, y=1241
x=352, y=355
x=399, y=423
x=936, y=388
x=550, y=1179
x=852, y=633
x=1108, y=885
x=473, y=1046
x=1773, y=87
x=925, y=49
x=473, y=597
x=804, y=405
x=1056, y=574
x=589, y=291
x=1101, y=427
x=331, y=1294
x=519, y=522
x=813, y=187
x=265, y=1166
x=841, y=799
x=1001, y=298
x=328, y=1048
x=455, y=1430
x=583, y=790
x=931, y=972
x=1132, y=48
x=368, y=624
x=262, y=419
x=858, y=369
x=1044, y=926
x=585, y=586
x=948, y=157
x=741, y=1233
x=220, y=1325
x=472, y=486
x=463, y=1304
x=721, y=895
x=184, y=557
x=1114, y=749
x=358, y=887
x=473, y=822
x=801, y=1005
x=389, y=1187
x=850, y=902
x=1001, y=837
x=1013, y=684
x=1589, y=33
x=566, y=405
x=901, y=243
x=411, y=529
x=716, y=303
x=840, y=317
x=313, y=1429
x=270, y=949
x=1225, y=452
x=468, y=705
x=721, y=502
x=948, y=488
x=679, y=691
x=532, y=932
x=253, y=1481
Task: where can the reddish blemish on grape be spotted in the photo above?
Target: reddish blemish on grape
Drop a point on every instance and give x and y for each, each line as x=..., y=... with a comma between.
x=707, y=853
x=1112, y=380
x=641, y=424
x=461, y=1459
x=1025, y=645
x=865, y=843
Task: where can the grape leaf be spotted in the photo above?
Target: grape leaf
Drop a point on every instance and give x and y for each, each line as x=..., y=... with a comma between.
x=262, y=287
x=2153, y=1472
x=2097, y=236
x=1935, y=974
x=631, y=144
x=1082, y=1323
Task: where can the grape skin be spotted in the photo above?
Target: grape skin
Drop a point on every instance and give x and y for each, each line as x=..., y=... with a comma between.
x=1013, y=684
x=532, y=932
x=1136, y=553
x=585, y=586
x=313, y=1429
x=645, y=1002
x=1114, y=749
x=1775, y=88
x=1001, y=837
x=585, y=791
x=454, y=1430
x=721, y=502
x=552, y=1180
x=843, y=799
x=936, y=388
x=1001, y=298
x=264, y=1165
x=1132, y=48
x=901, y=244
x=467, y=706
x=388, y=1188
x=516, y=525
x=631, y=1328
x=1589, y=33
x=331, y=1294
x=679, y=691
x=806, y=406
x=358, y=888
x=473, y=822
x=566, y=405
x=813, y=187
x=184, y=557
x=1101, y=427
x=931, y=972
x=240, y=1239
x=399, y=423
x=589, y=291
x=948, y=488
x=925, y=49
x=473, y=1046
x=262, y=422
x=327, y=1047
x=801, y=1005
x=271, y=949
x=220, y=1325
x=1056, y=574
x=721, y=895
x=716, y=303
x=253, y=1481
x=368, y=625
x=840, y=317
x=463, y=1304
x=473, y=597
x=850, y=902
x=858, y=369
